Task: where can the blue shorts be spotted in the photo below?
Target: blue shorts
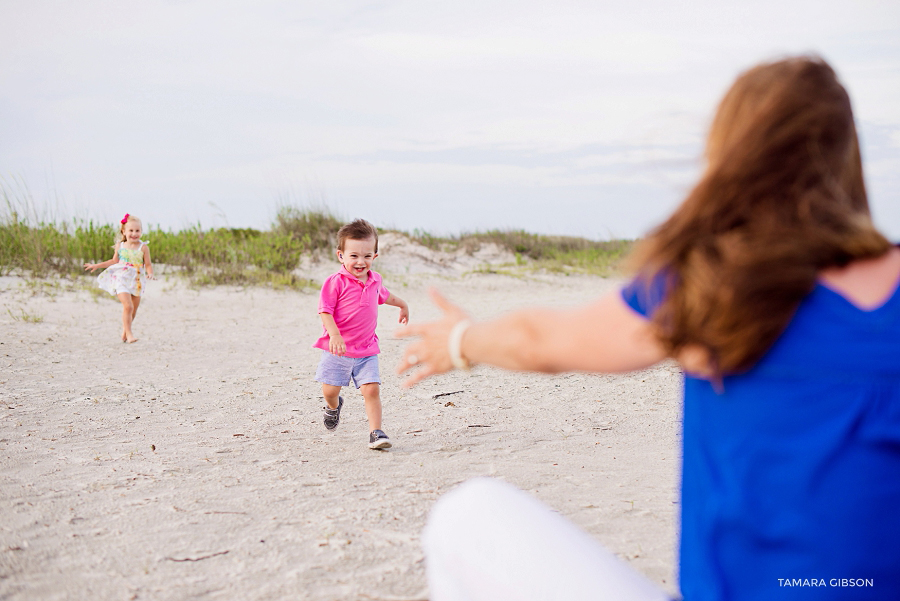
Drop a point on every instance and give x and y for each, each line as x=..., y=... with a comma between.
x=337, y=371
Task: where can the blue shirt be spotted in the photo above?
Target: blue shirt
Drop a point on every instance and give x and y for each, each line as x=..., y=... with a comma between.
x=791, y=475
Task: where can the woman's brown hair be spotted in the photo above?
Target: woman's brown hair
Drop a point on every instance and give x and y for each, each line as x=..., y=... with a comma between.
x=782, y=198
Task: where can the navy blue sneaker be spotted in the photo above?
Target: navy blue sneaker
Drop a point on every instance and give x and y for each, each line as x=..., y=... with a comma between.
x=333, y=416
x=379, y=440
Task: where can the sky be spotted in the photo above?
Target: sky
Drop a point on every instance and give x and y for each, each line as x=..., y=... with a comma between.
x=570, y=117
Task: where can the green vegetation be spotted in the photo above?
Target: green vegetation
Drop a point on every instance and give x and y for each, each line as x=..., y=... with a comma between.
x=42, y=247
x=205, y=257
x=23, y=315
x=231, y=256
x=535, y=251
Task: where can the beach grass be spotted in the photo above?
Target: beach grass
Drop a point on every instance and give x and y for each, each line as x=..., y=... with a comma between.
x=41, y=246
x=564, y=254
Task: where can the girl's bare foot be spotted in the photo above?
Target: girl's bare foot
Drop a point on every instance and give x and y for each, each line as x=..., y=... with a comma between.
x=130, y=340
x=124, y=337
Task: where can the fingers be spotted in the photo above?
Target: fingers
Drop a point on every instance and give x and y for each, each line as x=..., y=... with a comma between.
x=409, y=331
x=429, y=354
x=438, y=299
x=410, y=359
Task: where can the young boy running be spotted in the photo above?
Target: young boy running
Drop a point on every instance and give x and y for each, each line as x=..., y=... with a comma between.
x=348, y=306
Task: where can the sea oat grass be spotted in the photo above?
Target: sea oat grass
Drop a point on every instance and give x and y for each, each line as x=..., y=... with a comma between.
x=564, y=254
x=40, y=247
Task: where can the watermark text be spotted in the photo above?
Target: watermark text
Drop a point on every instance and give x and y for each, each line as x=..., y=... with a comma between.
x=831, y=582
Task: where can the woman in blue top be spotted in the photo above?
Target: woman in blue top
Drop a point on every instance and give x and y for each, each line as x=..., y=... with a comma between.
x=779, y=298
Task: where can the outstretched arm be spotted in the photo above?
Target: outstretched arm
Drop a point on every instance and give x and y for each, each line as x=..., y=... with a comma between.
x=104, y=264
x=396, y=301
x=606, y=336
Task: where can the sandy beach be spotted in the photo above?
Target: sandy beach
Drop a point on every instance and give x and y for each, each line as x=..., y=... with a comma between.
x=194, y=463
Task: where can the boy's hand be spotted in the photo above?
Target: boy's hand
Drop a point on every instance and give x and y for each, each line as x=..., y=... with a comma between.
x=336, y=345
x=404, y=314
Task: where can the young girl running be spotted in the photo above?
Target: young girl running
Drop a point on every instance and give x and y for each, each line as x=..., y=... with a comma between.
x=123, y=278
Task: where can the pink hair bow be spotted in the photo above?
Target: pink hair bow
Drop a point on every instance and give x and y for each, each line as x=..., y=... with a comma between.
x=125, y=218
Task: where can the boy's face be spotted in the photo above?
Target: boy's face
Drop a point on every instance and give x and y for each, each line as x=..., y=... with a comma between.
x=357, y=257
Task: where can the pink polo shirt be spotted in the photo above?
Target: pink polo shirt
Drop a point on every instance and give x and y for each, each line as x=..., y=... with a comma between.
x=354, y=306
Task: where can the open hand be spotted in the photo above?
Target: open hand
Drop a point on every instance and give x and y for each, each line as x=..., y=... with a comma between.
x=431, y=351
x=91, y=266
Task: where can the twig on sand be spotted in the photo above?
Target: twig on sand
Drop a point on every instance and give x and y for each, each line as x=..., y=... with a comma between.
x=197, y=558
x=478, y=426
x=439, y=395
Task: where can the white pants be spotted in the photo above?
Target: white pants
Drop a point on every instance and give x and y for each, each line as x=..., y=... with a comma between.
x=488, y=540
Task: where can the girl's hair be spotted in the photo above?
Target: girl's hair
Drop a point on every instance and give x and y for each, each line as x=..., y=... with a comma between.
x=358, y=229
x=125, y=221
x=782, y=197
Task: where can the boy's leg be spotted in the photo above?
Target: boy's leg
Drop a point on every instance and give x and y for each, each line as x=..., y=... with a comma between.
x=368, y=380
x=367, y=377
x=487, y=540
x=372, y=394
x=331, y=394
x=333, y=403
x=333, y=372
x=378, y=440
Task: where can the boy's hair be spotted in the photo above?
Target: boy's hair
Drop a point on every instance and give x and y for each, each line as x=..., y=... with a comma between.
x=128, y=219
x=358, y=229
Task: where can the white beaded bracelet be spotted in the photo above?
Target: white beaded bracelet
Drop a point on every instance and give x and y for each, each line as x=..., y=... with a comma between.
x=454, y=344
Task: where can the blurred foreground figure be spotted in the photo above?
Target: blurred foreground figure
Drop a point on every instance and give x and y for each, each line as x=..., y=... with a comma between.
x=779, y=298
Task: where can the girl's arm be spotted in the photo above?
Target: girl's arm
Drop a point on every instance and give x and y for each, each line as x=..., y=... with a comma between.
x=148, y=266
x=606, y=336
x=336, y=345
x=395, y=301
x=104, y=264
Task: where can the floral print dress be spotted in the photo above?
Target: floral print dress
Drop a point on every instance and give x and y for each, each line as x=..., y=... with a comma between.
x=124, y=276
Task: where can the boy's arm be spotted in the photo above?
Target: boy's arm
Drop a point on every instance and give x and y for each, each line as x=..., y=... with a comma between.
x=396, y=301
x=336, y=345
